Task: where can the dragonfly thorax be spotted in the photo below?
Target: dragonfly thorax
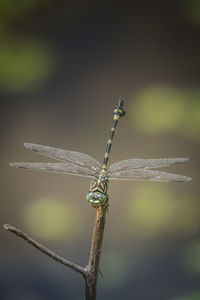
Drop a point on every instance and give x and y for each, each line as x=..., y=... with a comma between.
x=97, y=194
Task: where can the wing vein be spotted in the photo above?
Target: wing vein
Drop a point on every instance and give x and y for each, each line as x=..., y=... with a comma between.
x=72, y=157
x=55, y=168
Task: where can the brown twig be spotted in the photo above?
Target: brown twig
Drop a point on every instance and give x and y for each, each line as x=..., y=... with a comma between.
x=46, y=251
x=95, y=253
x=90, y=273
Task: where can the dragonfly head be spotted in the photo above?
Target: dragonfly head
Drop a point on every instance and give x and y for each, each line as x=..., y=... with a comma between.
x=97, y=199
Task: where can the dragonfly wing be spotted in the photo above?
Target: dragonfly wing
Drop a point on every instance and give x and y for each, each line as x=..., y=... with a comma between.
x=132, y=163
x=55, y=168
x=143, y=174
x=77, y=158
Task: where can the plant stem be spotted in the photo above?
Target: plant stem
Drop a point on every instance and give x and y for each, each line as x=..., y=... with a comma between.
x=95, y=254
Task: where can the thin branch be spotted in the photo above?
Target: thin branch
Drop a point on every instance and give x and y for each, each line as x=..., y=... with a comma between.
x=46, y=251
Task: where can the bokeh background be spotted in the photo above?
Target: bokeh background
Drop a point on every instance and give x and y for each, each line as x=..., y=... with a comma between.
x=63, y=65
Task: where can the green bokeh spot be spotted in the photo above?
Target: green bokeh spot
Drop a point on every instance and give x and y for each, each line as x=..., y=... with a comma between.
x=190, y=296
x=191, y=9
x=11, y=9
x=192, y=257
x=23, y=65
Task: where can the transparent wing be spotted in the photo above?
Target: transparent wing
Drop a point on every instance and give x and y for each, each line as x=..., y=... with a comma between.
x=143, y=174
x=55, y=168
x=77, y=158
x=144, y=163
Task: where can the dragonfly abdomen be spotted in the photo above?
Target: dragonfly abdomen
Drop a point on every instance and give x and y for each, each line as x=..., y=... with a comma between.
x=117, y=114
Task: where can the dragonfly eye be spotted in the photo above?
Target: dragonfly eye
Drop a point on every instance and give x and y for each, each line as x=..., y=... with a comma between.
x=96, y=199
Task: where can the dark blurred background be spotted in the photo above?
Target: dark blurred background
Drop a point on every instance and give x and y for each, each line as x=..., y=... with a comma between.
x=63, y=65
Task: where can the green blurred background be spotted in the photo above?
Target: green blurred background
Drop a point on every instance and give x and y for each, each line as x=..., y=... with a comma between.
x=63, y=65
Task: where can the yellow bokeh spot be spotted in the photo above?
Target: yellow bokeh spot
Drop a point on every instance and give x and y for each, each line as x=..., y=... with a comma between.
x=52, y=219
x=191, y=125
x=158, y=109
x=150, y=208
x=154, y=209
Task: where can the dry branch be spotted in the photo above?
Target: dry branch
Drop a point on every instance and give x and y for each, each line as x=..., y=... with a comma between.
x=44, y=250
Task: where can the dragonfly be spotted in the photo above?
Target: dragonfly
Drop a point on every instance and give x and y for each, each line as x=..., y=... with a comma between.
x=80, y=164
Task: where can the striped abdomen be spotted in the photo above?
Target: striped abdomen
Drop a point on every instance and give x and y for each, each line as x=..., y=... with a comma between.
x=117, y=114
